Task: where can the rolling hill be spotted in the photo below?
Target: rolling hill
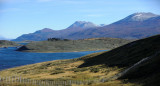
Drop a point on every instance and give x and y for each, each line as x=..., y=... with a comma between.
x=74, y=45
x=134, y=26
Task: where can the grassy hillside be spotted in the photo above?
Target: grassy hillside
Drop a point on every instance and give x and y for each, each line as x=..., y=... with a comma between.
x=5, y=43
x=74, y=45
x=103, y=65
x=126, y=55
x=146, y=73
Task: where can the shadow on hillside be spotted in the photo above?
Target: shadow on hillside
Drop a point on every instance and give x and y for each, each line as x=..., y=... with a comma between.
x=147, y=73
x=126, y=55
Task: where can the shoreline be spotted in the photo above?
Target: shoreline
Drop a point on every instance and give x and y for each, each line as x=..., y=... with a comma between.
x=66, y=52
x=3, y=46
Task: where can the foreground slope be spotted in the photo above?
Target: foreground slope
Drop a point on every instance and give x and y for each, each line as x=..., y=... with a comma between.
x=104, y=65
x=146, y=73
x=128, y=54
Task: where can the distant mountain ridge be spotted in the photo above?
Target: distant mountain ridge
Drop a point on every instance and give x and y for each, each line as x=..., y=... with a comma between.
x=82, y=24
x=126, y=28
x=134, y=26
x=49, y=33
x=140, y=16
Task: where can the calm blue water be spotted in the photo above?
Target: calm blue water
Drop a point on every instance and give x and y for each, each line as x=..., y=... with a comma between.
x=23, y=43
x=10, y=58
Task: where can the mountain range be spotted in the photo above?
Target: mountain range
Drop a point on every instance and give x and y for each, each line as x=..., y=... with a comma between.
x=134, y=26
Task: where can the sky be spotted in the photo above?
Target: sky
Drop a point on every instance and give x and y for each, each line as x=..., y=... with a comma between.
x=19, y=17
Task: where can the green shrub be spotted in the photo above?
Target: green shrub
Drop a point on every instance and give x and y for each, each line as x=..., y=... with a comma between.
x=94, y=70
x=59, y=69
x=57, y=72
x=79, y=69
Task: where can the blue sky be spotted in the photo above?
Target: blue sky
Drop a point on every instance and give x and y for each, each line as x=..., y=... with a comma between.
x=19, y=17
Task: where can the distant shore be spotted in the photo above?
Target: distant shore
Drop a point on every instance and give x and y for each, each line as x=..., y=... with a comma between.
x=5, y=44
x=68, y=51
x=73, y=45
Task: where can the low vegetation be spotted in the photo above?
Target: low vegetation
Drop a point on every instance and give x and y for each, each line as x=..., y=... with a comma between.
x=5, y=43
x=58, y=45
